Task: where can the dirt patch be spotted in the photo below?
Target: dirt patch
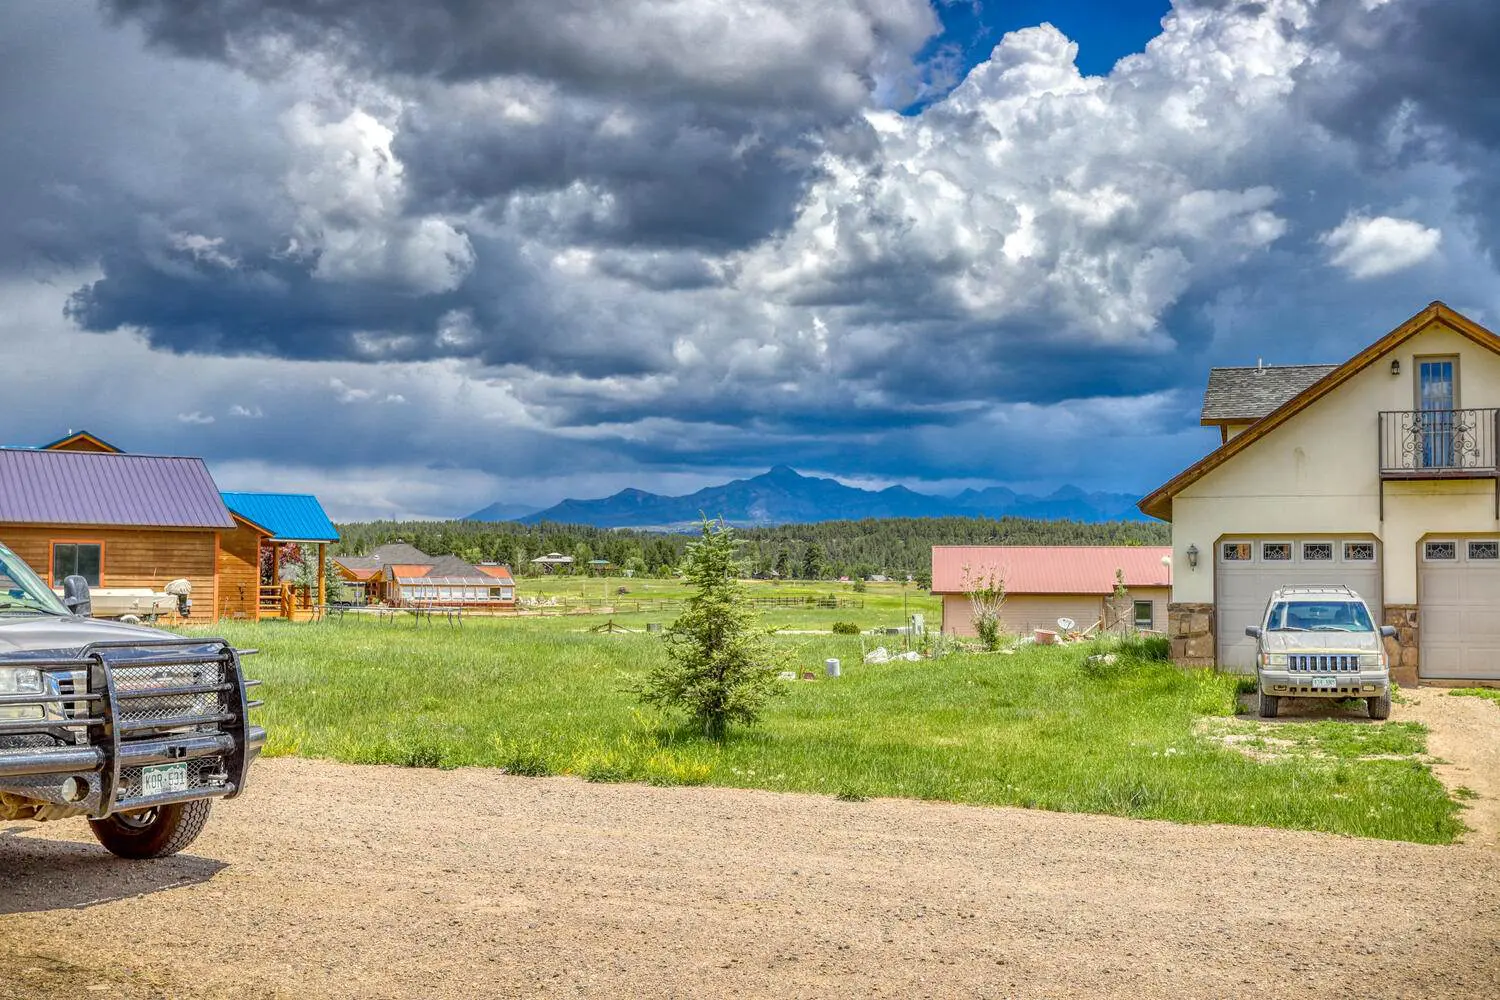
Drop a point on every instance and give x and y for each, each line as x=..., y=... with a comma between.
x=328, y=880
x=1464, y=737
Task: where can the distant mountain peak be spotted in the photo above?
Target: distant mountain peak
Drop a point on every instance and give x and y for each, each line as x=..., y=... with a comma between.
x=782, y=495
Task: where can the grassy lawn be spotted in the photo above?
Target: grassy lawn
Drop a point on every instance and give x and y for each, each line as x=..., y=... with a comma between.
x=1038, y=729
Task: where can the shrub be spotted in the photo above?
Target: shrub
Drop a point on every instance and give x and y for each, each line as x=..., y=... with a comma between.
x=528, y=760
x=859, y=586
x=845, y=628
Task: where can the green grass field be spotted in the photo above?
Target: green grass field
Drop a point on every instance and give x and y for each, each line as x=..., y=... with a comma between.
x=547, y=696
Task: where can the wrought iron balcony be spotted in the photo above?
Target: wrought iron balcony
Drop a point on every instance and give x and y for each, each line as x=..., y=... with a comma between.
x=1439, y=444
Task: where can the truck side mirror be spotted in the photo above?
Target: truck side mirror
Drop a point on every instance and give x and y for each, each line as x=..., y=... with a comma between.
x=1388, y=631
x=1253, y=631
x=76, y=596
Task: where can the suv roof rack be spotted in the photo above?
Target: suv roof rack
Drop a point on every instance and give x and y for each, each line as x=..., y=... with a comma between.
x=1331, y=588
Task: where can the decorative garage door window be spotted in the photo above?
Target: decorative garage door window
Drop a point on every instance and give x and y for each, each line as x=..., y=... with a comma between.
x=1317, y=552
x=1276, y=551
x=1236, y=551
x=1484, y=550
x=1359, y=552
x=1440, y=551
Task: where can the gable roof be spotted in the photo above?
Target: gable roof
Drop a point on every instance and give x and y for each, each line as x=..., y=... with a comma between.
x=82, y=441
x=1158, y=504
x=1244, y=395
x=105, y=489
x=501, y=573
x=289, y=517
x=1048, y=569
x=406, y=571
x=399, y=552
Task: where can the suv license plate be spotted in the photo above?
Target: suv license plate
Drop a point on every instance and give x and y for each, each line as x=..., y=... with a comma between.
x=164, y=778
x=1323, y=683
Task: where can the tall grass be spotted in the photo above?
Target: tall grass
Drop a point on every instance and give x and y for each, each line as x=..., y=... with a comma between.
x=1043, y=728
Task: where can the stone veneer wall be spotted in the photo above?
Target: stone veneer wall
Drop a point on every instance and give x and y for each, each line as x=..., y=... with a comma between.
x=1191, y=627
x=1405, y=649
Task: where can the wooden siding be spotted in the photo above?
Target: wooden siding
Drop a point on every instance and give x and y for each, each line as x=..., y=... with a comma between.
x=84, y=442
x=142, y=557
x=239, y=572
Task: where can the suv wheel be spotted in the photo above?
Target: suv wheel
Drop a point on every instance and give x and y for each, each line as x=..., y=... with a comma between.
x=1268, y=705
x=1380, y=708
x=152, y=833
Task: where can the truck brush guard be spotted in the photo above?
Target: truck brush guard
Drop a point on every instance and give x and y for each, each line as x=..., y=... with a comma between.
x=116, y=710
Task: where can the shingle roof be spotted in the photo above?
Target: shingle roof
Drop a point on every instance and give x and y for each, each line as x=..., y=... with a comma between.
x=1247, y=394
x=400, y=552
x=1048, y=569
x=100, y=488
x=289, y=517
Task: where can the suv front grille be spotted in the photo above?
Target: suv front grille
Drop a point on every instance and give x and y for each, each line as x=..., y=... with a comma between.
x=1324, y=663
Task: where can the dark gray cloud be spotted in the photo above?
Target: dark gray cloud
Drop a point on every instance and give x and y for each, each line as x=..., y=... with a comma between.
x=577, y=243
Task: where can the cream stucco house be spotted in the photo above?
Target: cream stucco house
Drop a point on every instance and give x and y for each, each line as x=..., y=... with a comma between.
x=1380, y=473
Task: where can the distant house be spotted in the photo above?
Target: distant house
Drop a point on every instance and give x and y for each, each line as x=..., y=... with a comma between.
x=1045, y=583
x=272, y=522
x=80, y=506
x=552, y=561
x=405, y=576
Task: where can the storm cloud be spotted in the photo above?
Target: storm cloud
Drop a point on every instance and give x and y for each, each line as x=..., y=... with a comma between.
x=541, y=247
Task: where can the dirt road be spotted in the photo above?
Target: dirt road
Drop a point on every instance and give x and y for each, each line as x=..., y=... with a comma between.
x=335, y=881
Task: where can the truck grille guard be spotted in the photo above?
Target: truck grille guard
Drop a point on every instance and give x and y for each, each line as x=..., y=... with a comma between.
x=124, y=706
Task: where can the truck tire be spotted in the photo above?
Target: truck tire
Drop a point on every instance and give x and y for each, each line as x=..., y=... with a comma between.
x=1268, y=705
x=1380, y=708
x=153, y=833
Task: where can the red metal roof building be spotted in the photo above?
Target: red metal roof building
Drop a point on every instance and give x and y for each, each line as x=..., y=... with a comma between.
x=1044, y=583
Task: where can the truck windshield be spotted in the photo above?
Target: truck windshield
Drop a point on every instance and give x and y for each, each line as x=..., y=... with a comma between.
x=22, y=590
x=1319, y=616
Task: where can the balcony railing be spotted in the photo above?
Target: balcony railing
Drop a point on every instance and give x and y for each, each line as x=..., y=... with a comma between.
x=1439, y=444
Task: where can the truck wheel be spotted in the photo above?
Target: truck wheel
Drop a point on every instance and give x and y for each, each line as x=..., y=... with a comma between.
x=1380, y=708
x=1268, y=705
x=153, y=833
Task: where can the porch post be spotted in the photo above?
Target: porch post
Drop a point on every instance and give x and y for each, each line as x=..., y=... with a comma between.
x=322, y=566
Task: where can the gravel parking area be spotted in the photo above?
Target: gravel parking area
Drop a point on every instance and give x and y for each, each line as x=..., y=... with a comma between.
x=336, y=881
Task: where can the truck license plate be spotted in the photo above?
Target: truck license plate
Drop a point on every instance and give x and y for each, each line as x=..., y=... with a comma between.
x=1324, y=683
x=164, y=778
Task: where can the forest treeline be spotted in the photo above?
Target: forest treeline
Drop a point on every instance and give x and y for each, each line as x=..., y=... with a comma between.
x=894, y=547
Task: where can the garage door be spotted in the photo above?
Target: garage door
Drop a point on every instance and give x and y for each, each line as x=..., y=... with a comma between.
x=1249, y=569
x=1459, y=591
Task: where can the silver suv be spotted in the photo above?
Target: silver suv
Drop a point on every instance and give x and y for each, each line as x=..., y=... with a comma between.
x=1320, y=642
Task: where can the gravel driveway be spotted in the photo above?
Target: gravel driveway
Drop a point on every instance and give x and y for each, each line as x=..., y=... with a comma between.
x=329, y=880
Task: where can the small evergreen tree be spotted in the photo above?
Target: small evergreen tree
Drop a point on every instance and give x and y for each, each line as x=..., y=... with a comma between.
x=719, y=669
x=813, y=562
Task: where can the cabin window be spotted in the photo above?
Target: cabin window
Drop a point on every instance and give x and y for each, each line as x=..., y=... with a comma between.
x=84, y=559
x=1144, y=615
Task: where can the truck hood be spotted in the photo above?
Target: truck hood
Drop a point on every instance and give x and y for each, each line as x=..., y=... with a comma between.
x=33, y=633
x=1320, y=642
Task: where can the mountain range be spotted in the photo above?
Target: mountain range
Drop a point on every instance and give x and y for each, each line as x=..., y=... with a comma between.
x=784, y=496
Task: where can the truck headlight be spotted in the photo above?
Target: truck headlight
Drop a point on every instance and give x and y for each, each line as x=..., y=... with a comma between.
x=1273, y=659
x=21, y=680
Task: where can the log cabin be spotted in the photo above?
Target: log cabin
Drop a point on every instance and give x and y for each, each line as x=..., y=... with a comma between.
x=116, y=519
x=273, y=522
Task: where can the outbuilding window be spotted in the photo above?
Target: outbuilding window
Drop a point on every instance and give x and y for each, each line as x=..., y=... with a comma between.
x=1144, y=615
x=85, y=559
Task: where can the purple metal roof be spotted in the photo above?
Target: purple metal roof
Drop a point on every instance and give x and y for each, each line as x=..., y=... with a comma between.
x=76, y=487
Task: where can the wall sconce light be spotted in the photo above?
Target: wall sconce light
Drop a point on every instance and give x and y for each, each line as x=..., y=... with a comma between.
x=1395, y=366
x=1192, y=554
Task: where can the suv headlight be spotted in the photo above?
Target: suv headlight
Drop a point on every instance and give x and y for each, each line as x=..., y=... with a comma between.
x=1273, y=659
x=1372, y=660
x=21, y=680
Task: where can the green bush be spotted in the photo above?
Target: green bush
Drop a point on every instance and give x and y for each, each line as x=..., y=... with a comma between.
x=845, y=628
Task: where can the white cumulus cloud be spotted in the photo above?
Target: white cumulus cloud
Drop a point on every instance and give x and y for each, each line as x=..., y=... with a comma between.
x=1371, y=247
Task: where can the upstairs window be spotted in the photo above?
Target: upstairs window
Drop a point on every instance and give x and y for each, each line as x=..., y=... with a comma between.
x=85, y=559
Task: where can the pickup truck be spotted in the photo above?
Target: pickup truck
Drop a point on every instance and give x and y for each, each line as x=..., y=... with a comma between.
x=137, y=729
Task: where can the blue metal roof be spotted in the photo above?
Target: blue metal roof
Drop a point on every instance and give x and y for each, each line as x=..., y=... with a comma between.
x=289, y=517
